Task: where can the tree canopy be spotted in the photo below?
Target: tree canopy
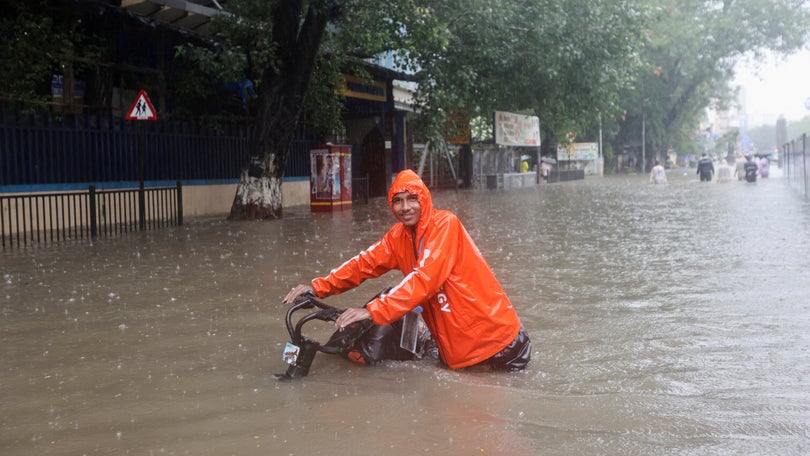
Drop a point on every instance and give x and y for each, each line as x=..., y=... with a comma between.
x=573, y=63
x=38, y=39
x=688, y=62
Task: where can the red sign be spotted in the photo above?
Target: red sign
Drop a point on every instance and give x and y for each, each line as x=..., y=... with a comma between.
x=142, y=108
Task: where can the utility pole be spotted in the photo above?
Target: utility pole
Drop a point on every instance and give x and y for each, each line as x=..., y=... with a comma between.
x=643, y=140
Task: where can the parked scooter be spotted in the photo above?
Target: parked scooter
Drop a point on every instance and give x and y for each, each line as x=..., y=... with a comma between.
x=362, y=342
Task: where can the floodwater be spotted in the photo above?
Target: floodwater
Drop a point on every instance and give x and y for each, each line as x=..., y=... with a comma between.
x=665, y=320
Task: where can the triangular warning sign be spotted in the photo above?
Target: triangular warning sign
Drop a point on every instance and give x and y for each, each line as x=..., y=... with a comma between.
x=142, y=108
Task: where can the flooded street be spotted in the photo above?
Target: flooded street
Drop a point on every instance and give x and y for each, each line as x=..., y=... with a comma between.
x=664, y=320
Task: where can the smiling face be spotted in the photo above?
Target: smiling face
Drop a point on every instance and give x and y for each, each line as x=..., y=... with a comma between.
x=406, y=208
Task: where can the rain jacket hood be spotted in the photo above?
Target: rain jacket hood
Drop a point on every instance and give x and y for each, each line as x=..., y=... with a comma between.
x=409, y=181
x=464, y=306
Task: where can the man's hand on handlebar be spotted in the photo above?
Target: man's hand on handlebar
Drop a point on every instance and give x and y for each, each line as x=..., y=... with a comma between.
x=349, y=316
x=352, y=315
x=297, y=291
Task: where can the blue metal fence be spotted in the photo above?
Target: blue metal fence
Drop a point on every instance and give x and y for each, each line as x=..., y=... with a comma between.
x=49, y=149
x=51, y=165
x=60, y=150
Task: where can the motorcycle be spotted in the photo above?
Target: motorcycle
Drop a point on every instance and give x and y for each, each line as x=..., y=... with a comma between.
x=362, y=342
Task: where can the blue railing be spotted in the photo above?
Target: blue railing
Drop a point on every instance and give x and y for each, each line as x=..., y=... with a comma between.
x=796, y=163
x=44, y=218
x=52, y=151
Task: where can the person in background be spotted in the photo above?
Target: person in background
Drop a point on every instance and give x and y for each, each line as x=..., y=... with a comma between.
x=705, y=168
x=465, y=308
x=723, y=172
x=764, y=167
x=658, y=175
x=751, y=169
x=545, y=169
x=739, y=167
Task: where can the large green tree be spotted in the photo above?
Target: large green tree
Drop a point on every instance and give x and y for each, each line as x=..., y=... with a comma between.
x=585, y=58
x=688, y=63
x=41, y=38
x=297, y=51
x=564, y=61
x=276, y=44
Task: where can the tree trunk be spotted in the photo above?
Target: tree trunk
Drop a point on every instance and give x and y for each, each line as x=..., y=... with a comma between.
x=257, y=199
x=282, y=93
x=259, y=196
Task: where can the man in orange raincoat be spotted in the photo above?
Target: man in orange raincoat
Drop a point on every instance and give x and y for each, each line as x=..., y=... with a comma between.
x=466, y=309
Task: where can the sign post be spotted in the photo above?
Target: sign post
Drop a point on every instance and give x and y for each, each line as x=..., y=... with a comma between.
x=141, y=109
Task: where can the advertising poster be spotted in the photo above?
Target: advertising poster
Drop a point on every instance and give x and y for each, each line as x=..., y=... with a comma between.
x=578, y=151
x=325, y=169
x=516, y=129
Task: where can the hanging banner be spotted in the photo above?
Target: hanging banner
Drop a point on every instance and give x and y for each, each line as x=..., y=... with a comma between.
x=516, y=130
x=577, y=151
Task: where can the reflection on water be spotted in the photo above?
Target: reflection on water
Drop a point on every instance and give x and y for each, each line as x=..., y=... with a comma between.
x=665, y=320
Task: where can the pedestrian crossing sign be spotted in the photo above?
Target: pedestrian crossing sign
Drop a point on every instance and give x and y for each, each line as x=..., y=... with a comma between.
x=142, y=108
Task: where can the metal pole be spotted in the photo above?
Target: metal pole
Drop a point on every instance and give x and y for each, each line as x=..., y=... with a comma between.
x=93, y=217
x=450, y=162
x=423, y=158
x=141, y=168
x=643, y=141
x=804, y=160
x=179, y=202
x=600, y=134
x=601, y=157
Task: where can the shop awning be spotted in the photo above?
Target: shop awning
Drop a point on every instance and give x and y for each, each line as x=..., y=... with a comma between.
x=184, y=15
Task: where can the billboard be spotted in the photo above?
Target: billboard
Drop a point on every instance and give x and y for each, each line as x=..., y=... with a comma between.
x=516, y=130
x=577, y=151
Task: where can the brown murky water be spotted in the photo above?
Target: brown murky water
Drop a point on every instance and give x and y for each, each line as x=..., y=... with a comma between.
x=665, y=320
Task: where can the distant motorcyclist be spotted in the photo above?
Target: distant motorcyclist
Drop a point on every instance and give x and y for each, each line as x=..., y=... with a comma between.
x=751, y=169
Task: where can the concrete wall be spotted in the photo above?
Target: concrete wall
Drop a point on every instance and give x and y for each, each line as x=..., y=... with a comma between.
x=71, y=212
x=519, y=180
x=208, y=200
x=506, y=181
x=295, y=193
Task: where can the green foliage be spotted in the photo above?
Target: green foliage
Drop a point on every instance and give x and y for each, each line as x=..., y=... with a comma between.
x=689, y=59
x=39, y=40
x=590, y=53
x=243, y=47
x=324, y=102
x=246, y=47
x=565, y=62
x=576, y=64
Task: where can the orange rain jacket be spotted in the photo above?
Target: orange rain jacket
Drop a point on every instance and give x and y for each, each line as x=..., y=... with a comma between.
x=465, y=307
